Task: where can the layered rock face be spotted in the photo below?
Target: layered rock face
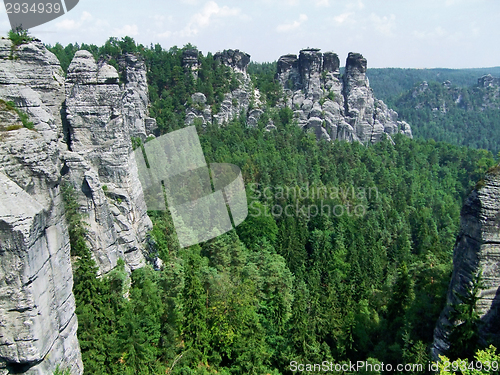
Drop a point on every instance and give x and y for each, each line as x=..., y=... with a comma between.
x=190, y=60
x=37, y=308
x=135, y=99
x=490, y=87
x=477, y=250
x=488, y=81
x=235, y=102
x=335, y=107
x=101, y=117
x=82, y=134
x=234, y=58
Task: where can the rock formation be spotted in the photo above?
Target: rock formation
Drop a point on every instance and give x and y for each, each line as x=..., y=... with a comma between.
x=234, y=58
x=477, y=250
x=37, y=309
x=83, y=127
x=190, y=60
x=335, y=107
x=235, y=102
x=82, y=135
x=488, y=81
x=102, y=117
x=135, y=99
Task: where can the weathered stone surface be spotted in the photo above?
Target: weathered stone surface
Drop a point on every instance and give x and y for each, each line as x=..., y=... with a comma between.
x=135, y=98
x=190, y=58
x=199, y=98
x=235, y=103
x=477, y=250
x=34, y=81
x=37, y=309
x=235, y=59
x=102, y=117
x=488, y=81
x=369, y=117
x=313, y=88
x=331, y=63
x=253, y=117
x=288, y=72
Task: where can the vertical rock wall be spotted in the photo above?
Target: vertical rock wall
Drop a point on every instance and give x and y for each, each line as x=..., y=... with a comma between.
x=477, y=250
x=38, y=324
x=335, y=107
x=102, y=116
x=82, y=134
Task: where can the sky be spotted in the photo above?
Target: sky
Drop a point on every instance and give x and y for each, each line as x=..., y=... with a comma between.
x=389, y=33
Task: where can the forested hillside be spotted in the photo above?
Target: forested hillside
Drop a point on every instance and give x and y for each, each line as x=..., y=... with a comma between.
x=389, y=83
x=346, y=253
x=468, y=116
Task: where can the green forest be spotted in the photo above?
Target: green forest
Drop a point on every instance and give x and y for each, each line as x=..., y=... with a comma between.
x=357, y=272
x=468, y=116
x=389, y=83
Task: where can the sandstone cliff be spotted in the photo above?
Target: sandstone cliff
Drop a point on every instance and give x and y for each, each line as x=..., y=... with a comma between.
x=101, y=118
x=333, y=106
x=235, y=102
x=83, y=126
x=477, y=249
x=37, y=309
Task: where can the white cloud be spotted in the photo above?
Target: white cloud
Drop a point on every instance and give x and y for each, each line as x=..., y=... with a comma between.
x=164, y=35
x=158, y=17
x=359, y=5
x=322, y=3
x=86, y=16
x=384, y=25
x=341, y=18
x=281, y=2
x=69, y=24
x=126, y=30
x=435, y=33
x=204, y=18
x=293, y=25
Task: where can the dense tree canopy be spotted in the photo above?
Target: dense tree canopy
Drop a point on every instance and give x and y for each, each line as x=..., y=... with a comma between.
x=346, y=253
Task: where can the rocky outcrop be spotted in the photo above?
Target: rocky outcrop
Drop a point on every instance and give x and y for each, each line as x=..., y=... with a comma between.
x=331, y=106
x=488, y=81
x=190, y=60
x=38, y=324
x=234, y=58
x=335, y=107
x=135, y=98
x=32, y=77
x=477, y=250
x=102, y=117
x=489, y=87
x=235, y=102
x=82, y=135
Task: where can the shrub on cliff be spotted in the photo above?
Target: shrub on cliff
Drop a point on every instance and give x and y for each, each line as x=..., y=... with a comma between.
x=19, y=36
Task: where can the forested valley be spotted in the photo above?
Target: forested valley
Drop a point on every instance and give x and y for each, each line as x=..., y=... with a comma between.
x=364, y=280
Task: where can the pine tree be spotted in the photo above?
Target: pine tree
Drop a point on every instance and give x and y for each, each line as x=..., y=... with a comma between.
x=464, y=336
